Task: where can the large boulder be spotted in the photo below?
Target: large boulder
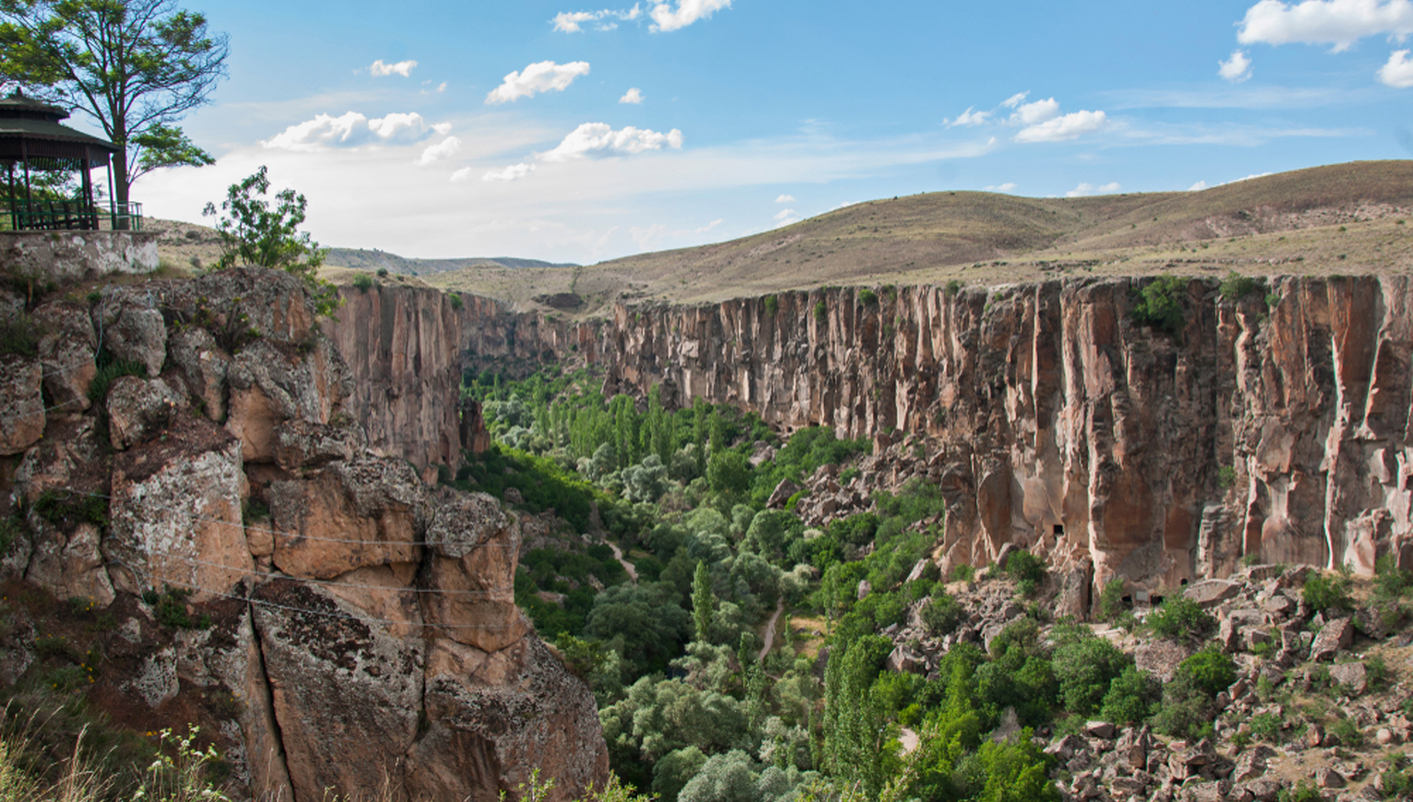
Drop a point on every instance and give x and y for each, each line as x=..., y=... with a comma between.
x=139, y=408
x=67, y=348
x=203, y=365
x=176, y=512
x=271, y=383
x=302, y=445
x=347, y=686
x=475, y=551
x=1332, y=637
x=21, y=403
x=131, y=328
x=351, y=514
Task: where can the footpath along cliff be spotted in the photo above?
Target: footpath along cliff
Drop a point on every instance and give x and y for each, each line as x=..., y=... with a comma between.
x=247, y=499
x=1274, y=424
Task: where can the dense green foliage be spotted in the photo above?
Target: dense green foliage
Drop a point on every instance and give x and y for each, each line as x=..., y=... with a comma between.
x=1180, y=618
x=1327, y=594
x=1160, y=304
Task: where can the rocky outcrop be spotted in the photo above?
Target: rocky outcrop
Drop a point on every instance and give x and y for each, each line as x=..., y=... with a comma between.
x=302, y=594
x=1274, y=425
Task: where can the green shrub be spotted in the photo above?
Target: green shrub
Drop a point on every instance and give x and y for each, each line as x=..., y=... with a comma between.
x=821, y=312
x=1266, y=727
x=1304, y=792
x=382, y=272
x=456, y=302
x=1111, y=599
x=1027, y=570
x=1131, y=697
x=1210, y=669
x=20, y=336
x=953, y=287
x=1085, y=668
x=110, y=370
x=169, y=607
x=963, y=573
x=867, y=297
x=1236, y=286
x=1180, y=618
x=1160, y=304
x=1347, y=732
x=65, y=510
x=772, y=305
x=942, y=615
x=363, y=282
x=1226, y=477
x=1327, y=594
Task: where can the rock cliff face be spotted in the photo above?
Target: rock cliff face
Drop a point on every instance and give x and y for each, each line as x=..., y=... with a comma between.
x=278, y=573
x=1270, y=426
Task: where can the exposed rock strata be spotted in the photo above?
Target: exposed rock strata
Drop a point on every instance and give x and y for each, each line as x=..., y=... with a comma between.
x=1055, y=422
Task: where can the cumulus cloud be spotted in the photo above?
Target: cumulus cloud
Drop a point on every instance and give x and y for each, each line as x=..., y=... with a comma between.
x=542, y=76
x=599, y=139
x=1089, y=189
x=403, y=68
x=970, y=117
x=1015, y=100
x=1339, y=23
x=1398, y=72
x=784, y=214
x=573, y=21
x=667, y=18
x=1006, y=187
x=1198, y=187
x=634, y=96
x=352, y=130
x=1060, y=129
x=785, y=199
x=1037, y=112
x=444, y=149
x=1235, y=69
x=514, y=172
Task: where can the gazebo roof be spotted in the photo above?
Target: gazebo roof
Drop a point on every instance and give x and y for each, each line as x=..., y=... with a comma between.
x=30, y=128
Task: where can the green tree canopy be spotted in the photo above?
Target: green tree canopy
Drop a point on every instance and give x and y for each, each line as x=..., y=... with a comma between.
x=134, y=66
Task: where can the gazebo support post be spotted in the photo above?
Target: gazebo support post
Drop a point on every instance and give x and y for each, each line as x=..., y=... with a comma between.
x=90, y=215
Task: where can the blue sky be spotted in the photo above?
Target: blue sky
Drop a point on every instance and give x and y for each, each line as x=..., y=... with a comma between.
x=440, y=129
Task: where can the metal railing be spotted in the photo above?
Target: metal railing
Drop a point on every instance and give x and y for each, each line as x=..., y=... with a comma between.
x=71, y=215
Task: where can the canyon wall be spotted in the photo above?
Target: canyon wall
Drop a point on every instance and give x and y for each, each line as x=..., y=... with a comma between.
x=243, y=501
x=1273, y=426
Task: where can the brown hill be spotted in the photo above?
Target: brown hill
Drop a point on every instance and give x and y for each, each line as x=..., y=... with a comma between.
x=1339, y=218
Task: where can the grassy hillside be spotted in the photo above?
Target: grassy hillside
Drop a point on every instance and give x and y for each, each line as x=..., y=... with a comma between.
x=1347, y=218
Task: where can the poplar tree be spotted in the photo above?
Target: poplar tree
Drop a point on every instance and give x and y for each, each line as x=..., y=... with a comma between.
x=702, y=600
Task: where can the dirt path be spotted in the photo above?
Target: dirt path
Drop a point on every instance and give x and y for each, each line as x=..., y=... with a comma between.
x=627, y=566
x=908, y=739
x=770, y=630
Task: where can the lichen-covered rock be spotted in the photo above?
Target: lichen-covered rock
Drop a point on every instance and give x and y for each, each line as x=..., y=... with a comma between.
x=176, y=512
x=21, y=403
x=351, y=514
x=203, y=365
x=67, y=348
x=234, y=304
x=138, y=408
x=71, y=564
x=1332, y=637
x=131, y=328
x=302, y=445
x=495, y=717
x=271, y=383
x=347, y=690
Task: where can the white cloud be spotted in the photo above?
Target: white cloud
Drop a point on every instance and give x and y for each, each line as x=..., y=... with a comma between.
x=599, y=139
x=1235, y=69
x=572, y=22
x=709, y=226
x=353, y=130
x=785, y=199
x=970, y=118
x=464, y=174
x=514, y=172
x=403, y=68
x=1089, y=189
x=1060, y=129
x=1398, y=72
x=1339, y=23
x=1006, y=187
x=1037, y=112
x=1198, y=187
x=444, y=149
x=666, y=18
x=542, y=76
x=784, y=214
x=634, y=96
x=442, y=128
x=1015, y=100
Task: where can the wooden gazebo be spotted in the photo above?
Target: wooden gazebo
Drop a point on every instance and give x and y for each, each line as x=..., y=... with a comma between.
x=31, y=139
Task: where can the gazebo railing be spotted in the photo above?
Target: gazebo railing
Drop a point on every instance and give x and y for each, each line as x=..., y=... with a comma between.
x=71, y=215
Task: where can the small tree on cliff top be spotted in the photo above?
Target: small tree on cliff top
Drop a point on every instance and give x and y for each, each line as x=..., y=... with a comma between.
x=254, y=233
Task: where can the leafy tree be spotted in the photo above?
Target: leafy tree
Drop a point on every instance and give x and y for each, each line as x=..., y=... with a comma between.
x=943, y=614
x=1131, y=697
x=1181, y=618
x=728, y=472
x=1327, y=594
x=1159, y=304
x=642, y=622
x=134, y=66
x=253, y=233
x=1085, y=667
x=1015, y=771
x=703, y=601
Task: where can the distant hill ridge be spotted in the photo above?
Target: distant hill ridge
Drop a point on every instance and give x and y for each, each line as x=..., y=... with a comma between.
x=364, y=259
